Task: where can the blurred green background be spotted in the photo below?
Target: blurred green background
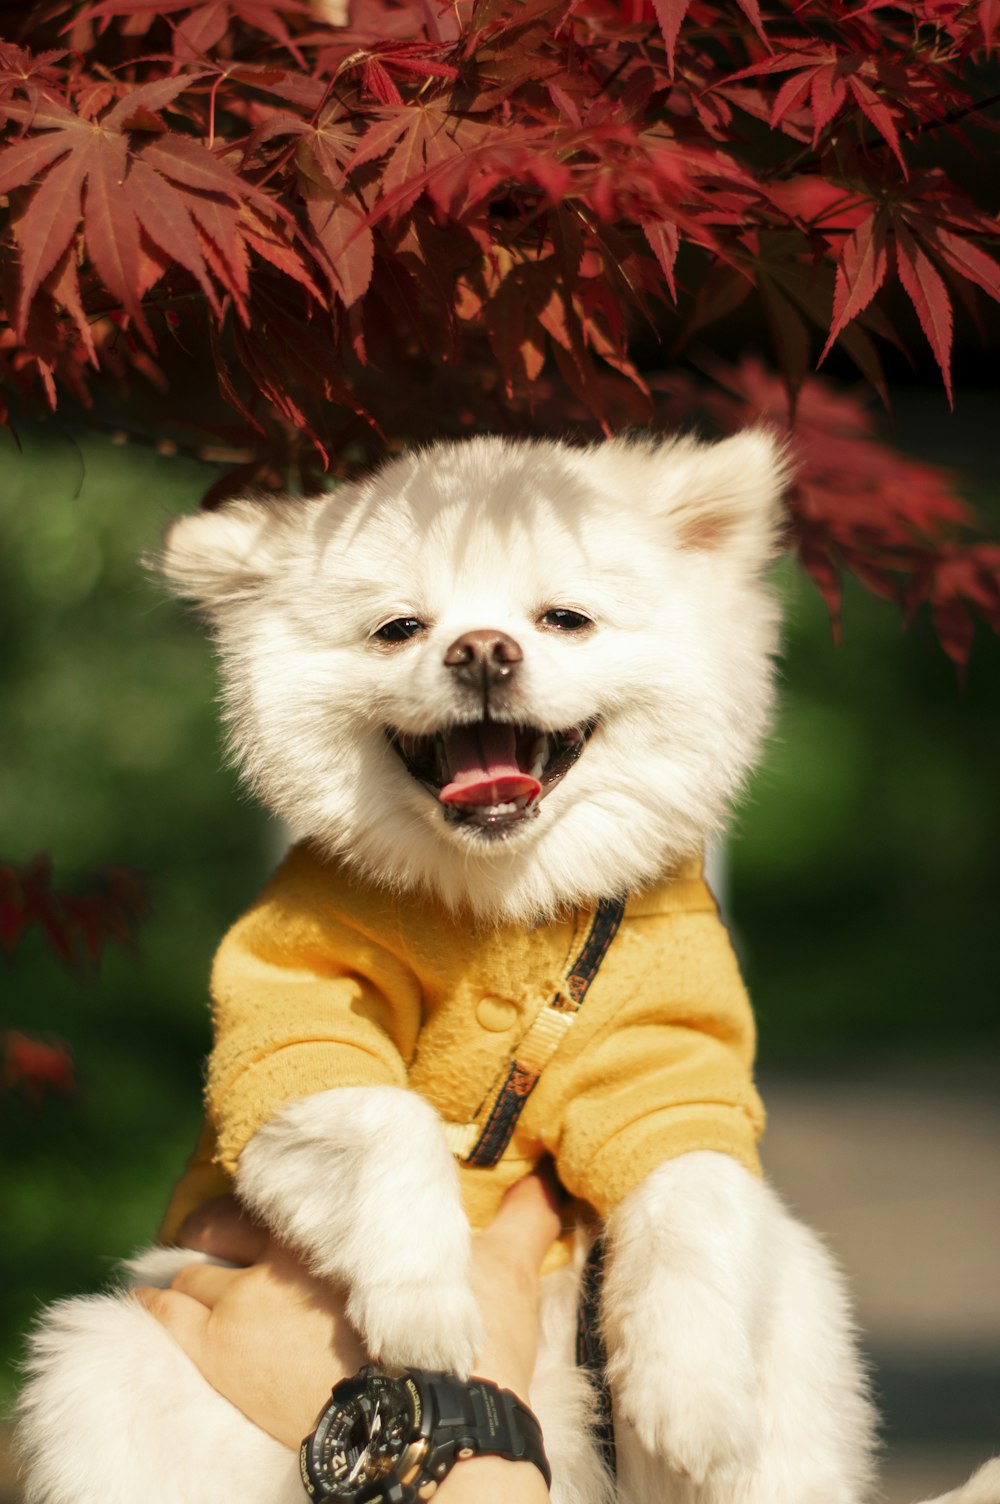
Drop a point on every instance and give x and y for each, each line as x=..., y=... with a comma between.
x=863, y=872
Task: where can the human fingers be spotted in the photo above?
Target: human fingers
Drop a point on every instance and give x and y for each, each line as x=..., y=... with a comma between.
x=206, y=1283
x=271, y=1338
x=185, y=1318
x=223, y=1229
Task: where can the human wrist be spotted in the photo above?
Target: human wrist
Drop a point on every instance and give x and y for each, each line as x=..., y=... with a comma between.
x=506, y=1376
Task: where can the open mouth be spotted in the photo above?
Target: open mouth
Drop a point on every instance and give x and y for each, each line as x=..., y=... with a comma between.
x=491, y=774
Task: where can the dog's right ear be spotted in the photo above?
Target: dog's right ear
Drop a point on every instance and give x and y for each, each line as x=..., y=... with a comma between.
x=218, y=558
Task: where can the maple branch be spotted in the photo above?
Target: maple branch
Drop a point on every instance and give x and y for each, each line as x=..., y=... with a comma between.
x=606, y=82
x=207, y=453
x=974, y=107
x=814, y=154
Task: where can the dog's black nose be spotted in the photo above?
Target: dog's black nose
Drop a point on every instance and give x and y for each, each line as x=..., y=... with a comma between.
x=483, y=658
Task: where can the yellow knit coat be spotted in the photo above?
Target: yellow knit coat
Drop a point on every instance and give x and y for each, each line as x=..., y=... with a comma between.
x=328, y=982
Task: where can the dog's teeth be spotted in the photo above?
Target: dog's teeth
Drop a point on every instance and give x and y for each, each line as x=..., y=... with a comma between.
x=504, y=809
x=539, y=756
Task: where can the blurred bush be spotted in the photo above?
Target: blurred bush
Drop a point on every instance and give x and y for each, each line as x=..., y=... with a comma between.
x=864, y=867
x=111, y=754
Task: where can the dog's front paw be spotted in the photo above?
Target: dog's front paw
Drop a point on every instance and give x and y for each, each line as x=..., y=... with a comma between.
x=697, y=1419
x=419, y=1324
x=684, y=1303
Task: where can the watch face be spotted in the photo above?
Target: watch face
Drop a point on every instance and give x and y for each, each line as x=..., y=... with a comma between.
x=360, y=1438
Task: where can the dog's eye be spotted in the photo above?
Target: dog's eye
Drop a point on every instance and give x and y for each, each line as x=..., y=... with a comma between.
x=399, y=630
x=562, y=620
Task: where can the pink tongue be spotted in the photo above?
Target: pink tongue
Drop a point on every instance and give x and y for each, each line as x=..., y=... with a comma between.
x=482, y=760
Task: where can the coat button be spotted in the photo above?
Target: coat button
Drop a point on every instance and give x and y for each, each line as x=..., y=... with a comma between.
x=496, y=1014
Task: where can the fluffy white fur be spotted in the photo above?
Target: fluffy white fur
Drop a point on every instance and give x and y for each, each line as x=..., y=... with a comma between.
x=114, y=1411
x=734, y=1367
x=662, y=545
x=982, y=1488
x=731, y=1346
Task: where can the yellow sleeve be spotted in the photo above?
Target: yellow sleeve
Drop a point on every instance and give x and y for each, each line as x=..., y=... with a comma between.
x=308, y=994
x=663, y=1065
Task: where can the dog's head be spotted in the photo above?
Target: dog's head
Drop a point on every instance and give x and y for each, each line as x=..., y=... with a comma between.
x=519, y=675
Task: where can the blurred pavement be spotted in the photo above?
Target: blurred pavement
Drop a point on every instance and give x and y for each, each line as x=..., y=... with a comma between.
x=901, y=1176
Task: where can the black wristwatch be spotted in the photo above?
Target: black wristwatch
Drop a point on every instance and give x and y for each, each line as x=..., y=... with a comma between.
x=389, y=1436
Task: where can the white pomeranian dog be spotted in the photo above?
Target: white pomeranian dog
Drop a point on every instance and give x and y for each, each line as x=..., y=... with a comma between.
x=503, y=694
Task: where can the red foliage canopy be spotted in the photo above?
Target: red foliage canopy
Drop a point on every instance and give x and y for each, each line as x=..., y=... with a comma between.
x=434, y=217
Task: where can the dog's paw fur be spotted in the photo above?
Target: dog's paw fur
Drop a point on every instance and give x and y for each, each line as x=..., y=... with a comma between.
x=679, y=1315
x=361, y=1179
x=695, y=1415
x=418, y=1323
x=716, y=1305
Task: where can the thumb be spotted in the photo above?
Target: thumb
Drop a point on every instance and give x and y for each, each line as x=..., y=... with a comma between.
x=528, y=1221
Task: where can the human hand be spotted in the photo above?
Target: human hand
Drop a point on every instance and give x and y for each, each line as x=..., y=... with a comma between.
x=274, y=1340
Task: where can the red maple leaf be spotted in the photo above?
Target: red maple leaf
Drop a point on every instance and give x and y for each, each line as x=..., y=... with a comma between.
x=36, y=1068
x=75, y=925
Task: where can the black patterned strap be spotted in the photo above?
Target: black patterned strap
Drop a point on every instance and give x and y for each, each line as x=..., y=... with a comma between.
x=603, y=929
x=591, y=1353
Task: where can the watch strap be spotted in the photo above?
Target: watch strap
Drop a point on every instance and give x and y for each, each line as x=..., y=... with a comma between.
x=478, y=1415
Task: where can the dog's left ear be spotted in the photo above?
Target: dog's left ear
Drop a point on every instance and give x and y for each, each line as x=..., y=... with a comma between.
x=723, y=498
x=218, y=558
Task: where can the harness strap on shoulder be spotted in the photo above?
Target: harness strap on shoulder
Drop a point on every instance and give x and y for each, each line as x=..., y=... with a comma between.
x=483, y=1142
